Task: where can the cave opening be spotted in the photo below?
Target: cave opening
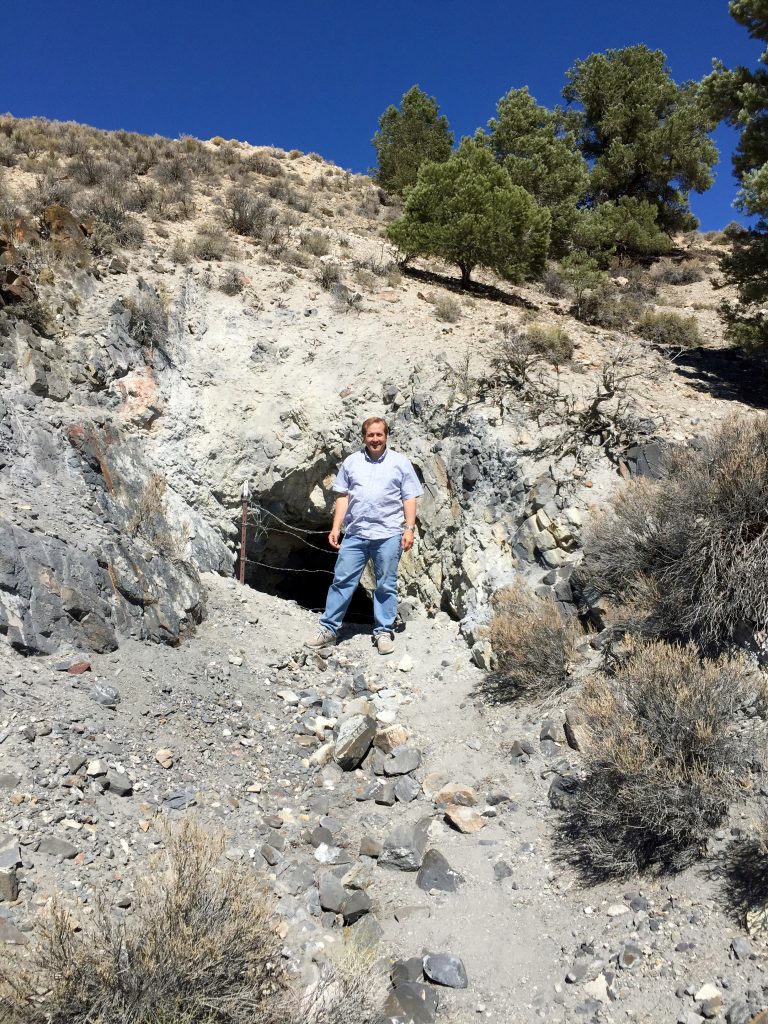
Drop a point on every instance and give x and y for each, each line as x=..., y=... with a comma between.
x=294, y=561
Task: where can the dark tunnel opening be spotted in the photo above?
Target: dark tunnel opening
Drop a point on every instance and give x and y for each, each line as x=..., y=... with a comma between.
x=296, y=565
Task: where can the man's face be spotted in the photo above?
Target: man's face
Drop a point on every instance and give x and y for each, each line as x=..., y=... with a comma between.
x=375, y=440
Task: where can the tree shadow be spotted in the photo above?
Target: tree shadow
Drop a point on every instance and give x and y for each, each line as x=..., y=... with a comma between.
x=729, y=374
x=483, y=291
x=741, y=871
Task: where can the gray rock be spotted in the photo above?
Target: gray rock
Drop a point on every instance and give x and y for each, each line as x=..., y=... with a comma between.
x=370, y=847
x=11, y=935
x=179, y=800
x=356, y=906
x=57, y=847
x=563, y=792
x=105, y=694
x=9, y=781
x=445, y=969
x=470, y=474
x=406, y=789
x=407, y=970
x=353, y=741
x=333, y=895
x=412, y=1001
x=629, y=955
x=404, y=847
x=10, y=857
x=402, y=760
x=385, y=794
x=741, y=949
x=9, y=884
x=119, y=783
x=436, y=873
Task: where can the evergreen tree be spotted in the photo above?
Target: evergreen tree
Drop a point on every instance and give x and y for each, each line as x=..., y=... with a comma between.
x=468, y=212
x=741, y=97
x=409, y=137
x=532, y=144
x=644, y=136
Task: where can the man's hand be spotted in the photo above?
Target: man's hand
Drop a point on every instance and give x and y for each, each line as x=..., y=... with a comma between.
x=334, y=538
x=407, y=540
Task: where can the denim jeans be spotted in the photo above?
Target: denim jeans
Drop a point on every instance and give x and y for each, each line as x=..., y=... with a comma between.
x=350, y=562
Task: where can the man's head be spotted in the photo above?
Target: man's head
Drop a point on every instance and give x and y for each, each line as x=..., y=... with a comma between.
x=375, y=433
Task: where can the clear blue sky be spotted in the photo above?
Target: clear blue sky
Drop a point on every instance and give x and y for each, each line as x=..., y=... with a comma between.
x=316, y=76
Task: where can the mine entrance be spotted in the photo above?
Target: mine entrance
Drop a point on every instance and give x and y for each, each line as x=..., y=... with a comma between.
x=295, y=562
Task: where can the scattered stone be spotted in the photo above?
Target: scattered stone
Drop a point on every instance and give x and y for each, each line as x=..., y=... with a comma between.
x=326, y=854
x=412, y=1001
x=333, y=895
x=164, y=758
x=741, y=949
x=119, y=783
x=407, y=970
x=404, y=847
x=405, y=664
x=108, y=696
x=57, y=847
x=436, y=873
x=356, y=906
x=11, y=935
x=389, y=738
x=370, y=847
x=455, y=793
x=501, y=870
x=445, y=969
x=406, y=789
x=353, y=741
x=598, y=989
x=9, y=884
x=465, y=819
x=10, y=857
x=402, y=760
x=9, y=781
x=629, y=956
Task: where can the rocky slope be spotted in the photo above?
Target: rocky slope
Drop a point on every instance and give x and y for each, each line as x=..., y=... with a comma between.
x=142, y=386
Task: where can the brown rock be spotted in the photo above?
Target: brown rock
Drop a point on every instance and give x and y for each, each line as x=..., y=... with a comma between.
x=455, y=793
x=465, y=819
x=61, y=223
x=16, y=287
x=164, y=758
x=79, y=667
x=390, y=737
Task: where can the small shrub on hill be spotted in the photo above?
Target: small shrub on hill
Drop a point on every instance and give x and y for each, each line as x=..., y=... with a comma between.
x=148, y=323
x=551, y=342
x=178, y=252
x=688, y=272
x=662, y=762
x=231, y=282
x=447, y=309
x=210, y=243
x=328, y=275
x=47, y=191
x=248, y=213
x=686, y=558
x=316, y=243
x=669, y=329
x=533, y=644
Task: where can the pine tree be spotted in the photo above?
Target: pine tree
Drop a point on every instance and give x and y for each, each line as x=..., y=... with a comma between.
x=533, y=146
x=741, y=98
x=409, y=137
x=644, y=136
x=468, y=212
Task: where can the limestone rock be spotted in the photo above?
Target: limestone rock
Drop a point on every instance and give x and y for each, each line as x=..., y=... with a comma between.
x=404, y=847
x=465, y=819
x=353, y=741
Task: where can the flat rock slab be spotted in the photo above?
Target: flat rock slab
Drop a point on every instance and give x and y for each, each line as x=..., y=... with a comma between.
x=9, y=781
x=465, y=819
x=57, y=847
x=404, y=847
x=445, y=969
x=455, y=793
x=436, y=873
x=402, y=760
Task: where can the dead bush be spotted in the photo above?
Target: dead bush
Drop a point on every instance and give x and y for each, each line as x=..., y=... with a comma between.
x=686, y=558
x=231, y=282
x=329, y=275
x=532, y=643
x=663, y=760
x=606, y=307
x=247, y=213
x=178, y=252
x=210, y=243
x=316, y=243
x=553, y=283
x=48, y=190
x=148, y=323
x=199, y=948
x=447, y=309
x=664, y=328
x=109, y=208
x=679, y=273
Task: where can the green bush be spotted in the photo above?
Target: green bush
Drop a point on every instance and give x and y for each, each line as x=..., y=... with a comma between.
x=551, y=342
x=669, y=329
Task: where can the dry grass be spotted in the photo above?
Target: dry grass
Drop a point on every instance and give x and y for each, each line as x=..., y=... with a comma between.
x=447, y=309
x=663, y=762
x=200, y=948
x=687, y=558
x=533, y=644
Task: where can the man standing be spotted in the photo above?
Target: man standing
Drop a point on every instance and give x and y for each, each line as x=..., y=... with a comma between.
x=376, y=491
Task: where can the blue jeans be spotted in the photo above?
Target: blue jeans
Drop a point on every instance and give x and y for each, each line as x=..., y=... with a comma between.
x=353, y=556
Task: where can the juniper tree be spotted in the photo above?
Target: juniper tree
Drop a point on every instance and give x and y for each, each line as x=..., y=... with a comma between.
x=409, y=137
x=741, y=97
x=468, y=212
x=536, y=150
x=644, y=136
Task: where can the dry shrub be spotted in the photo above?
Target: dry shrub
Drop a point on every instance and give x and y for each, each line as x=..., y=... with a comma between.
x=247, y=213
x=662, y=762
x=200, y=948
x=551, y=342
x=669, y=329
x=178, y=252
x=532, y=642
x=605, y=307
x=148, y=323
x=447, y=309
x=231, y=282
x=316, y=243
x=329, y=275
x=210, y=243
x=679, y=273
x=686, y=558
x=48, y=190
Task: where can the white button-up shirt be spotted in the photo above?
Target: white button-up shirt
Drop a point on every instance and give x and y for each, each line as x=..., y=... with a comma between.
x=377, y=489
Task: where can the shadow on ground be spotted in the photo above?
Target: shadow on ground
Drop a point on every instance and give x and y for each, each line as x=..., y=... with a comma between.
x=743, y=878
x=483, y=291
x=728, y=374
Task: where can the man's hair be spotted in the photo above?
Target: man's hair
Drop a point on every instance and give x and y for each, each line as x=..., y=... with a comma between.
x=369, y=423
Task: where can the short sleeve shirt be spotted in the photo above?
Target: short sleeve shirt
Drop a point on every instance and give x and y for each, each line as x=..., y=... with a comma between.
x=377, y=489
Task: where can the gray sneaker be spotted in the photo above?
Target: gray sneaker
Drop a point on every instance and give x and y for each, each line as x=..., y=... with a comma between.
x=384, y=643
x=322, y=638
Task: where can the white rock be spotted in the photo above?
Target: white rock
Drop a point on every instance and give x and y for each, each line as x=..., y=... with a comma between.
x=617, y=909
x=288, y=696
x=708, y=991
x=406, y=663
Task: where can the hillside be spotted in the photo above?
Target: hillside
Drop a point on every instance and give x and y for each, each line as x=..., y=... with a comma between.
x=180, y=317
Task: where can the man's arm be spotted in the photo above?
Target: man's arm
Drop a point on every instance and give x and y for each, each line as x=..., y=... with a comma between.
x=409, y=514
x=340, y=510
